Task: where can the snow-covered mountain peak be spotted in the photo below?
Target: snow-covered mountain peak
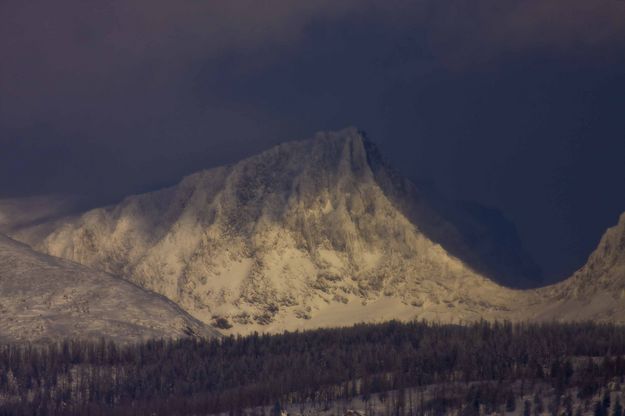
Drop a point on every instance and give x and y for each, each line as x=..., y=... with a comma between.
x=278, y=238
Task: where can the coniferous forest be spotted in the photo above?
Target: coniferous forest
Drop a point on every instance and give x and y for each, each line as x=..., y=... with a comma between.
x=479, y=368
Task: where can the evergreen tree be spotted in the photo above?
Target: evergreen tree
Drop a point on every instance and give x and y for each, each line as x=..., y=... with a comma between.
x=510, y=402
x=605, y=401
x=618, y=408
x=527, y=408
x=599, y=410
x=277, y=409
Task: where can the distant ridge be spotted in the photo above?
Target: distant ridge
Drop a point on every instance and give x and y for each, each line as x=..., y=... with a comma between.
x=597, y=290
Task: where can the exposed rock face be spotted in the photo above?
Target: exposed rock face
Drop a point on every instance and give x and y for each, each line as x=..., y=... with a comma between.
x=277, y=238
x=44, y=298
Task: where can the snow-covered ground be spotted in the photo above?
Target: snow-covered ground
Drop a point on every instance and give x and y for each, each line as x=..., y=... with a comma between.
x=538, y=397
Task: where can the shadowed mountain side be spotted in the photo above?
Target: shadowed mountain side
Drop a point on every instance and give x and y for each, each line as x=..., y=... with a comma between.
x=481, y=237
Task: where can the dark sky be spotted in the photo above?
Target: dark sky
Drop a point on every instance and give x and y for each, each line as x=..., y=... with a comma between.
x=516, y=104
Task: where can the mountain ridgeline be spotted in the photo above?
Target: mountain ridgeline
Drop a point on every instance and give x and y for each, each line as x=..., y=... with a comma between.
x=313, y=233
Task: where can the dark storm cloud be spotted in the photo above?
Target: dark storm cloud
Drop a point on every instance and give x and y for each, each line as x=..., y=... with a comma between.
x=119, y=74
x=81, y=50
x=512, y=103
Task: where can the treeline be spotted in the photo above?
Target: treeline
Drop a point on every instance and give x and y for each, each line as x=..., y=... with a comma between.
x=197, y=376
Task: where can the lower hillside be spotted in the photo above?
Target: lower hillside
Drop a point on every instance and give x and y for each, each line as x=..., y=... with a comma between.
x=43, y=298
x=387, y=369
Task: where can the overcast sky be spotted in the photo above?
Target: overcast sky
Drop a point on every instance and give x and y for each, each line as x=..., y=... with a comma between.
x=516, y=104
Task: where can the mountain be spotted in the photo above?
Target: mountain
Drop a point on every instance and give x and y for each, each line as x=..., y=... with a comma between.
x=597, y=290
x=45, y=298
x=322, y=232
x=310, y=233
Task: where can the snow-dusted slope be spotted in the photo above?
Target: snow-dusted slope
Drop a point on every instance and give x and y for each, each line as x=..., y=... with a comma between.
x=605, y=269
x=308, y=233
x=44, y=298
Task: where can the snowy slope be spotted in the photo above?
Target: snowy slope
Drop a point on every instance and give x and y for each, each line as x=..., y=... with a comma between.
x=42, y=298
x=281, y=239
